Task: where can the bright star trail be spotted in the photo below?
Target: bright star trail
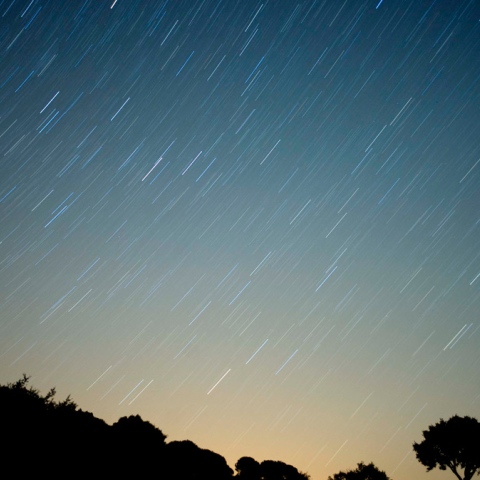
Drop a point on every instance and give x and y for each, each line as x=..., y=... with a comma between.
x=254, y=223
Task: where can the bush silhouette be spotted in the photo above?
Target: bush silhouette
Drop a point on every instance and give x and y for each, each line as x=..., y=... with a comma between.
x=249, y=469
x=42, y=430
x=51, y=434
x=362, y=472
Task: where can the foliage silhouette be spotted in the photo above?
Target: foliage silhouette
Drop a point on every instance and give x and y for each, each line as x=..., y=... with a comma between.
x=275, y=470
x=362, y=472
x=452, y=444
x=137, y=444
x=189, y=462
x=134, y=429
x=42, y=430
x=249, y=469
x=51, y=434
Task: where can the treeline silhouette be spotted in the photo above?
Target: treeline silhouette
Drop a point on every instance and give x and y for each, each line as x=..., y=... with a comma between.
x=42, y=435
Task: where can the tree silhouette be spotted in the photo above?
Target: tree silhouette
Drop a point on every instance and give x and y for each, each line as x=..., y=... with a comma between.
x=248, y=468
x=42, y=435
x=275, y=470
x=137, y=444
x=134, y=429
x=362, y=472
x=42, y=430
x=187, y=461
x=452, y=444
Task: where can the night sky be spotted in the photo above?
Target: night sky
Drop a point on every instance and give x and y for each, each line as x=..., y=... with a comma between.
x=254, y=223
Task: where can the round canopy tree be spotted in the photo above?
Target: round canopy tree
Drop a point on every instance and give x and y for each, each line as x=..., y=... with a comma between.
x=453, y=444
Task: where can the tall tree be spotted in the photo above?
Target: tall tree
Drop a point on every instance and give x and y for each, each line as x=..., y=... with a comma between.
x=453, y=444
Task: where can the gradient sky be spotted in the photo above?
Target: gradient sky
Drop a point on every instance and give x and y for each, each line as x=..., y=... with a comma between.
x=254, y=223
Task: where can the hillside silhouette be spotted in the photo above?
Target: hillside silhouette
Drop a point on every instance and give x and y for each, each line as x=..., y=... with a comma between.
x=57, y=438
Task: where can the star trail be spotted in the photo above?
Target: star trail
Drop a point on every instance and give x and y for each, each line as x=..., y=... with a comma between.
x=254, y=223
